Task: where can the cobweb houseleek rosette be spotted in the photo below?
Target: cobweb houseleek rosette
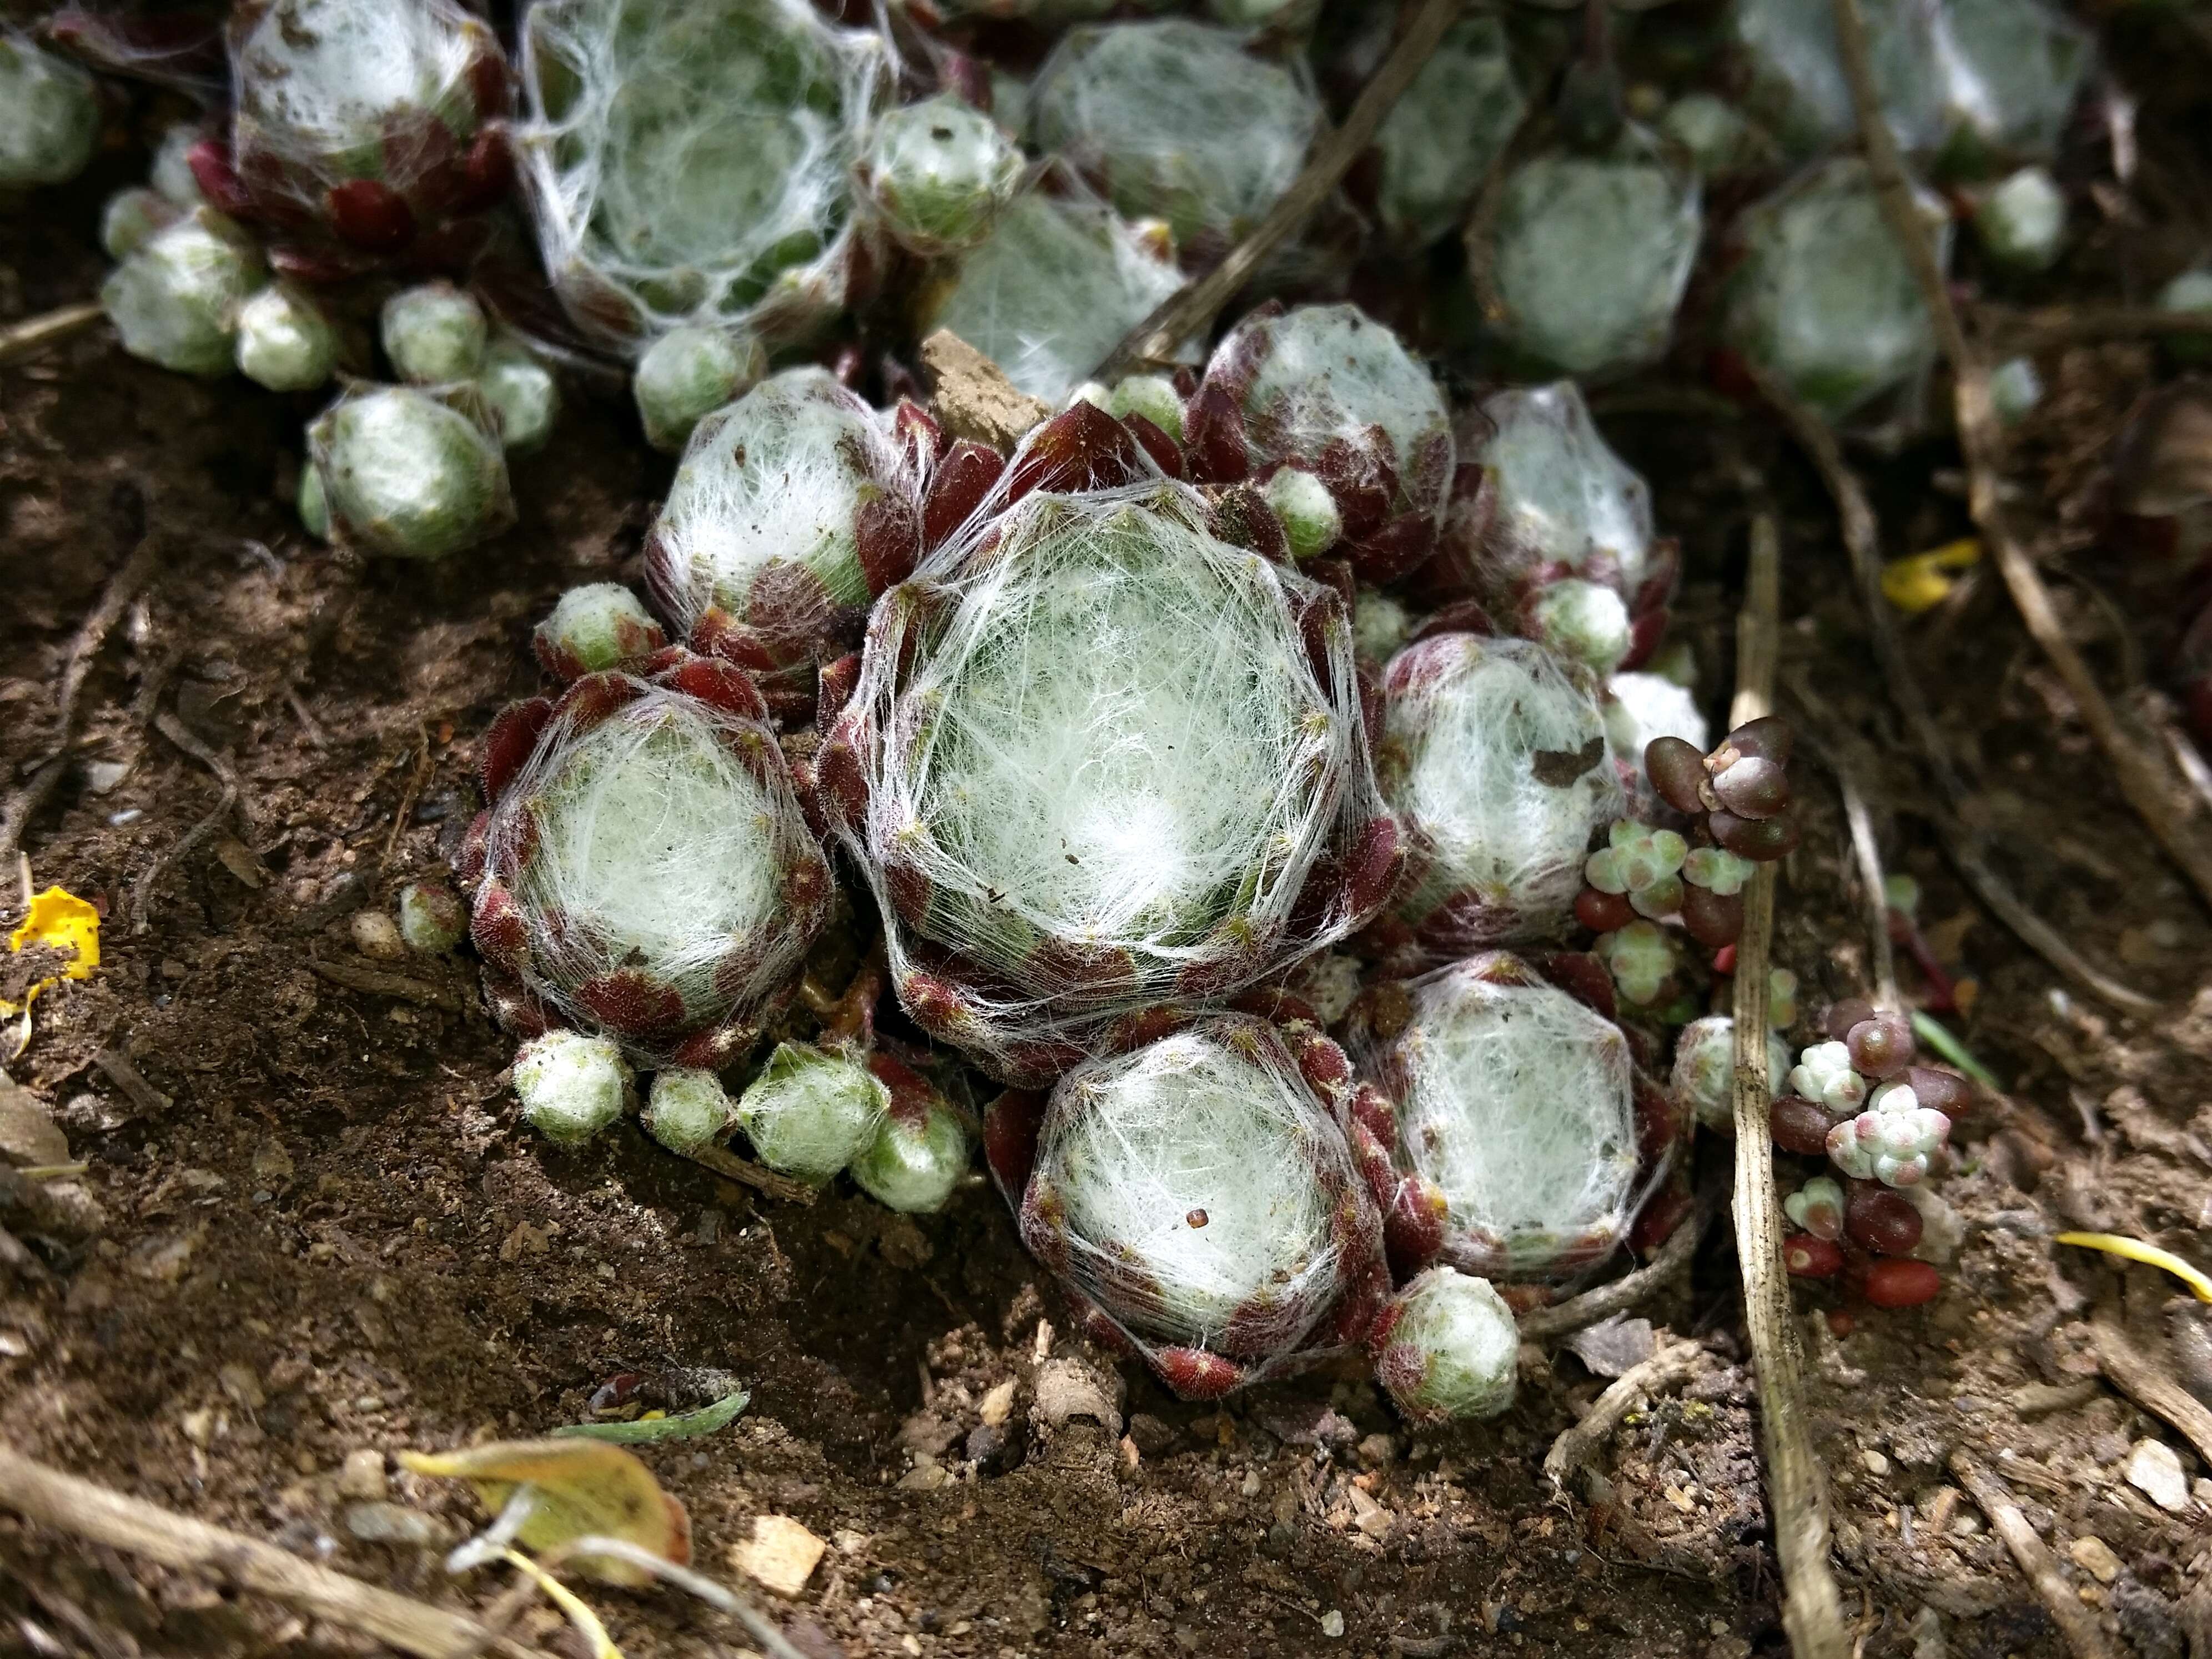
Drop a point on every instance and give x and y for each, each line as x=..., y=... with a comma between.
x=691, y=163
x=1213, y=1201
x=1099, y=761
x=791, y=510
x=1526, y=1136
x=643, y=868
x=1493, y=756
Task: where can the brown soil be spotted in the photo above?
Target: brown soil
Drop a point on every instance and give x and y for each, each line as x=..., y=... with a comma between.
x=320, y=1228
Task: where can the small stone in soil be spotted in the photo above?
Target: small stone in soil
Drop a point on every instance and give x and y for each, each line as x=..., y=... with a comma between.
x=780, y=1556
x=2156, y=1471
x=392, y=1523
x=2095, y=1557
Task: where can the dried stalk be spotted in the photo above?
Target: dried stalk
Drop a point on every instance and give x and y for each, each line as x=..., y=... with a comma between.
x=2059, y=325
x=377, y=983
x=1812, y=1608
x=1191, y=309
x=1867, y=851
x=2084, y=1637
x=2169, y=811
x=727, y=1163
x=1576, y=1447
x=1542, y=1324
x=2140, y=1377
x=36, y=333
x=1861, y=534
x=142, y=891
x=69, y=1504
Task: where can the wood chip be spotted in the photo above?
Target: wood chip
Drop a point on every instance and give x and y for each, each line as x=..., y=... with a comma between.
x=781, y=1555
x=974, y=397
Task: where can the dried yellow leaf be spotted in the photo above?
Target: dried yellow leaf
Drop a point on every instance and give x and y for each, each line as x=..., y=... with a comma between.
x=581, y=1488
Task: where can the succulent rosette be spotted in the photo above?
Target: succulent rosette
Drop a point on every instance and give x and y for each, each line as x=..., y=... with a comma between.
x=1552, y=532
x=1444, y=132
x=642, y=867
x=1176, y=120
x=1214, y=1199
x=362, y=132
x=791, y=510
x=937, y=173
x=1326, y=393
x=49, y=115
x=1493, y=757
x=1100, y=761
x=1527, y=1135
x=1447, y=1348
x=691, y=162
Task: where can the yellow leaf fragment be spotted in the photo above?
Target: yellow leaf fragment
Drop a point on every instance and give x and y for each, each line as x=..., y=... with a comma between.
x=1924, y=581
x=579, y=1613
x=580, y=1488
x=2134, y=1249
x=58, y=919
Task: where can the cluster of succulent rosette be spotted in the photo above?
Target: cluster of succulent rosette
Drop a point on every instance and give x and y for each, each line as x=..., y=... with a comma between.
x=1270, y=780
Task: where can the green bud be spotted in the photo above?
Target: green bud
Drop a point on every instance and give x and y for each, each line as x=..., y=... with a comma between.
x=49, y=116
x=1153, y=396
x=810, y=1113
x=313, y=504
x=1584, y=622
x=687, y=374
x=131, y=218
x=938, y=171
x=912, y=1168
x=412, y=474
x=284, y=341
x=172, y=172
x=433, y=920
x=2022, y=221
x=525, y=397
x=2015, y=389
x=599, y=626
x=687, y=1111
x=1641, y=961
x=1453, y=1351
x=175, y=300
x=1308, y=513
x=1716, y=134
x=435, y=334
x=571, y=1086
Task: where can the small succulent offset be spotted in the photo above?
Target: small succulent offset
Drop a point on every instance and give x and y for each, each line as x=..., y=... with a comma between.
x=691, y=162
x=1099, y=761
x=1893, y=1140
x=1521, y=1124
x=1493, y=756
x=49, y=115
x=572, y=1085
x=643, y=868
x=1738, y=794
x=792, y=511
x=362, y=132
x=1447, y=1348
x=175, y=299
x=1325, y=394
x=938, y=172
x=1443, y=134
x=1214, y=1199
x=1704, y=1078
x=411, y=472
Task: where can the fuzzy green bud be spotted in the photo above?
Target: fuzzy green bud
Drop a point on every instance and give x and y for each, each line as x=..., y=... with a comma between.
x=2022, y=221
x=938, y=171
x=175, y=300
x=689, y=373
x=1453, y=1348
x=2016, y=388
x=1380, y=625
x=1781, y=1006
x=571, y=1086
x=1583, y=621
x=1823, y=1074
x=284, y=341
x=1310, y=518
x=132, y=217
x=810, y=1113
x=524, y=397
x=914, y=1168
x=687, y=1111
x=435, y=334
x=1153, y=396
x=49, y=115
x=596, y=627
x=433, y=920
x=1714, y=132
x=172, y=172
x=409, y=474
x=1705, y=1070
x=313, y=504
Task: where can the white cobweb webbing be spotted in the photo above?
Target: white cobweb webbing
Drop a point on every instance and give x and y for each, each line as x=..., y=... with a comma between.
x=1518, y=1101
x=1564, y=496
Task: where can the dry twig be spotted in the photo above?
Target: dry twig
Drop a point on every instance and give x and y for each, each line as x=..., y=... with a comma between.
x=2057, y=325
x=77, y=665
x=1867, y=851
x=1541, y=1324
x=2084, y=1637
x=1812, y=1608
x=2169, y=811
x=2140, y=1377
x=380, y=984
x=723, y=1162
x=87, y=1510
x=1191, y=309
x=1576, y=1447
x=1861, y=534
x=36, y=333
x=177, y=731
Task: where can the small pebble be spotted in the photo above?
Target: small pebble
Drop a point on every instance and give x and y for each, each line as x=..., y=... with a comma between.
x=361, y=1476
x=1875, y=1461
x=2095, y=1557
x=2154, y=1470
x=1332, y=1623
x=376, y=936
x=392, y=1523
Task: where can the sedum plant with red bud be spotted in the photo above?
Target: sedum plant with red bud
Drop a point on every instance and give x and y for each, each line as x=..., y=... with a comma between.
x=362, y=133
x=643, y=869
x=793, y=509
x=1324, y=395
x=1858, y=1101
x=1493, y=757
x=1213, y=1199
x=1100, y=761
x=1527, y=1137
